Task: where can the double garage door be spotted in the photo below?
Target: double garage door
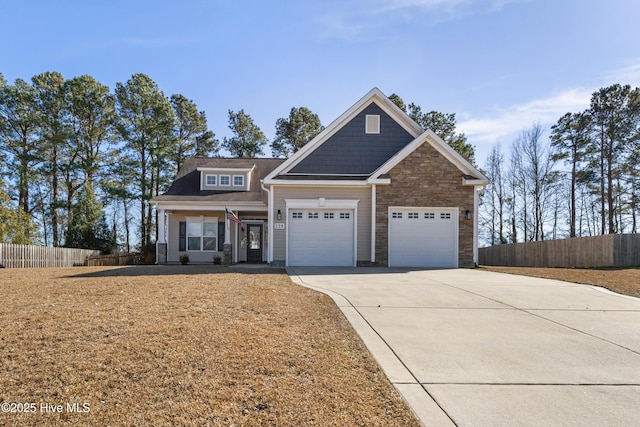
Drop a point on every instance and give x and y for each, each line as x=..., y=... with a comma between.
x=423, y=237
x=321, y=237
x=418, y=237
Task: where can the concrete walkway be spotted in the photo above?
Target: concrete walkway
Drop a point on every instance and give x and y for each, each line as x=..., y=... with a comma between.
x=476, y=348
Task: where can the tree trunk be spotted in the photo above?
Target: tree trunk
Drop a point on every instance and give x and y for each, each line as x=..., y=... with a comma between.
x=126, y=225
x=149, y=225
x=603, y=213
x=610, y=202
x=23, y=197
x=572, y=220
x=634, y=223
x=143, y=195
x=54, y=197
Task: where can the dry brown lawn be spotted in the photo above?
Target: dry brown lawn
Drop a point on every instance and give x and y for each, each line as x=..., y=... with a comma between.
x=183, y=345
x=623, y=280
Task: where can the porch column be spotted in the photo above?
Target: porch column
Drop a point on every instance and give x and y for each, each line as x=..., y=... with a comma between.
x=227, y=254
x=161, y=243
x=161, y=230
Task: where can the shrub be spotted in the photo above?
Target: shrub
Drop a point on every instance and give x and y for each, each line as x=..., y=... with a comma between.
x=148, y=254
x=184, y=259
x=217, y=260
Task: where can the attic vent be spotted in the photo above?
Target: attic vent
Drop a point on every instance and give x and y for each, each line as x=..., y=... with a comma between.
x=372, y=123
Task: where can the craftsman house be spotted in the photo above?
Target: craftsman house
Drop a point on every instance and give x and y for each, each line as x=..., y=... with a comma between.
x=373, y=188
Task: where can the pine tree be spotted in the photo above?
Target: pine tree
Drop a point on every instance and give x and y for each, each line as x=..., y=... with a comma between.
x=248, y=140
x=88, y=228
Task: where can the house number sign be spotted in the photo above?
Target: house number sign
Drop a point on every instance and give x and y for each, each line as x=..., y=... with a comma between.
x=278, y=226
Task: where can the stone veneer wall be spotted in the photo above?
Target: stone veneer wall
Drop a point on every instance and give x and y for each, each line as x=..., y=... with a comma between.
x=425, y=178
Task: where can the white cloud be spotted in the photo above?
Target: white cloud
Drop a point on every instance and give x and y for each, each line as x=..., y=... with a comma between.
x=364, y=18
x=626, y=75
x=506, y=122
x=397, y=5
x=502, y=123
x=450, y=7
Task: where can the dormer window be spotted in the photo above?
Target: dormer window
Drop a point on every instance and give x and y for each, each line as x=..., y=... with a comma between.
x=372, y=123
x=225, y=179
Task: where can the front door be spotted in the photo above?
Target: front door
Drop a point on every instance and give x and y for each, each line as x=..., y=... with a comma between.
x=254, y=242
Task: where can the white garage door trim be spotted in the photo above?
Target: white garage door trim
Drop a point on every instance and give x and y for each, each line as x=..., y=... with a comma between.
x=323, y=204
x=436, y=215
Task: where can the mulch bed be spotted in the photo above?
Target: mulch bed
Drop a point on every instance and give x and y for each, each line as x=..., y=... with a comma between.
x=183, y=345
x=621, y=280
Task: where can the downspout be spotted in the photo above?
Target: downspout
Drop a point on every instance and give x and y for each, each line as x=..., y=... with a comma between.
x=269, y=222
x=373, y=224
x=475, y=223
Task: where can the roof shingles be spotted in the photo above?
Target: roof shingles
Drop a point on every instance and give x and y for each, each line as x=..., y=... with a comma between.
x=186, y=186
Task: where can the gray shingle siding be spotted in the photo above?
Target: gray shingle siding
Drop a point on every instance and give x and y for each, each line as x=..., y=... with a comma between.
x=350, y=151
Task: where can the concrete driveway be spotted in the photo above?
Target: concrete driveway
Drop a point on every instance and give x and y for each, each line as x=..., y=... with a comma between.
x=476, y=348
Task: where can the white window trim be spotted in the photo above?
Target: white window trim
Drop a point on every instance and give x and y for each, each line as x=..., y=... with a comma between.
x=202, y=220
x=234, y=180
x=372, y=124
x=215, y=179
x=220, y=184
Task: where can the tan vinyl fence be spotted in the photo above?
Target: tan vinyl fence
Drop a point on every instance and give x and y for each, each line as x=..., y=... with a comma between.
x=25, y=256
x=612, y=250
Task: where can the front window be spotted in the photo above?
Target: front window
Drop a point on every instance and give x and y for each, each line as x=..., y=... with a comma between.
x=202, y=234
x=225, y=180
x=210, y=236
x=193, y=236
x=238, y=180
x=211, y=180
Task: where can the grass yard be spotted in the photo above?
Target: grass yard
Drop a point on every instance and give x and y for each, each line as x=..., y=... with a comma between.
x=621, y=280
x=182, y=345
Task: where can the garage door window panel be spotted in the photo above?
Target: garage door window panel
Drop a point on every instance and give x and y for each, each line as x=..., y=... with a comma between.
x=423, y=237
x=321, y=232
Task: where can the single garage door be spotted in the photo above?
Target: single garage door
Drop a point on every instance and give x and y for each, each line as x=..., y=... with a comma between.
x=321, y=237
x=423, y=237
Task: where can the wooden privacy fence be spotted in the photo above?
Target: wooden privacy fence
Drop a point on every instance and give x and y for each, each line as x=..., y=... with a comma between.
x=26, y=256
x=612, y=250
x=115, y=259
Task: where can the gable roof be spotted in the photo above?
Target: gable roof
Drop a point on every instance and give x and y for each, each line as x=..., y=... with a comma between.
x=350, y=151
x=337, y=153
x=186, y=185
x=403, y=124
x=471, y=175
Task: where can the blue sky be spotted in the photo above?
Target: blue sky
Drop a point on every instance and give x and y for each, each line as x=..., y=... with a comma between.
x=500, y=65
